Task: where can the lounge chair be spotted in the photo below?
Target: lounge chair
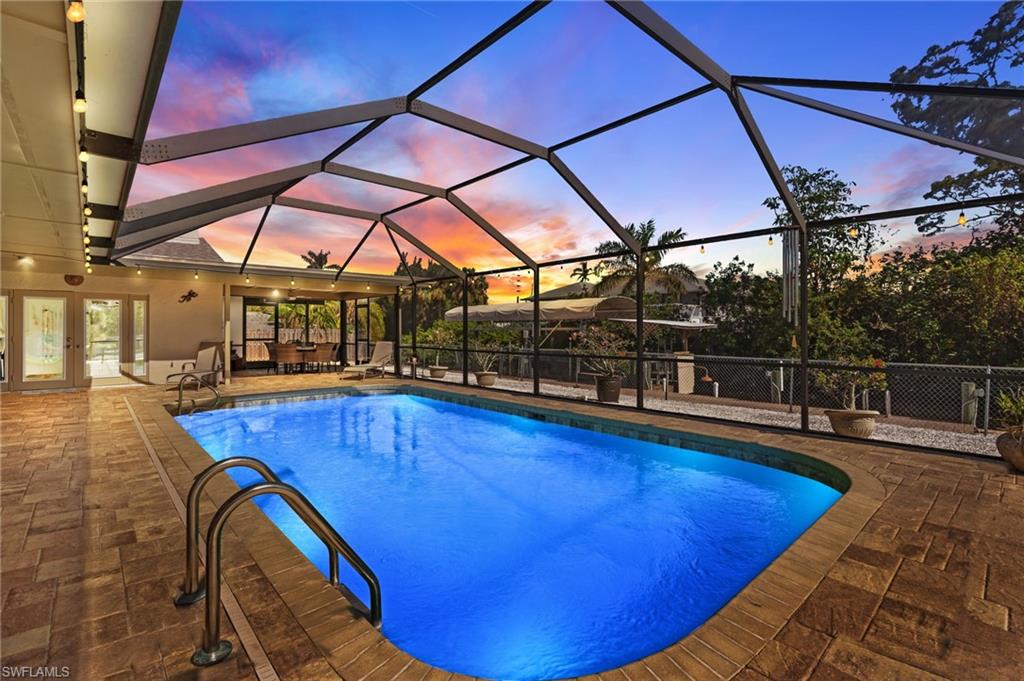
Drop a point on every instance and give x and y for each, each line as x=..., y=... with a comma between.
x=205, y=369
x=382, y=356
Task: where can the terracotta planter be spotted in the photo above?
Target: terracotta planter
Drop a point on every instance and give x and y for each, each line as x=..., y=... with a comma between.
x=485, y=378
x=1011, y=449
x=609, y=388
x=437, y=372
x=852, y=422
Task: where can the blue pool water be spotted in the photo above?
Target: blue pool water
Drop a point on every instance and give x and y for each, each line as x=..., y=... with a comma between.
x=510, y=548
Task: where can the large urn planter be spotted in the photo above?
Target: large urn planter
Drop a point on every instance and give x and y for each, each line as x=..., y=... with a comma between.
x=859, y=423
x=609, y=388
x=437, y=371
x=485, y=379
x=1011, y=448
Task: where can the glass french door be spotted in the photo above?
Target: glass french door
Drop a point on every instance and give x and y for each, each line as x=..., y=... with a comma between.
x=102, y=339
x=45, y=336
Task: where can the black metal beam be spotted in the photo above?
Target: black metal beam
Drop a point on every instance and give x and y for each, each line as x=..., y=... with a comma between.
x=494, y=36
x=643, y=113
x=918, y=210
x=355, y=250
x=641, y=276
x=103, y=211
x=536, y=331
x=401, y=256
x=109, y=146
x=169, y=11
x=366, y=130
x=255, y=236
x=893, y=88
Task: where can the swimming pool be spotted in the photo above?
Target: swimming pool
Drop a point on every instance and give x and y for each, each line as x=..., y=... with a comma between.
x=513, y=548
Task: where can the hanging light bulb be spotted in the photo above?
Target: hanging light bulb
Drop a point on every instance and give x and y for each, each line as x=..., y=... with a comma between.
x=83, y=154
x=247, y=279
x=138, y=269
x=87, y=211
x=275, y=293
x=79, y=105
x=196, y=275
x=87, y=250
x=88, y=258
x=76, y=12
x=85, y=239
x=293, y=281
x=88, y=269
x=853, y=232
x=702, y=249
x=85, y=187
x=771, y=240
x=367, y=287
x=332, y=284
x=85, y=228
x=962, y=220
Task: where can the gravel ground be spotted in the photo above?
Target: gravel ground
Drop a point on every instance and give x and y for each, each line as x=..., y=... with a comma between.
x=974, y=443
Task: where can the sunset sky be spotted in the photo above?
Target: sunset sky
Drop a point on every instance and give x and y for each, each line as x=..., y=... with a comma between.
x=572, y=67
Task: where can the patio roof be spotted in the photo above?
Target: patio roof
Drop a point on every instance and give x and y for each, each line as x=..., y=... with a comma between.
x=433, y=218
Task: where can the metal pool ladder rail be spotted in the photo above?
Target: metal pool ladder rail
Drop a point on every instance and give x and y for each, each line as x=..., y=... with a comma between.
x=201, y=379
x=213, y=649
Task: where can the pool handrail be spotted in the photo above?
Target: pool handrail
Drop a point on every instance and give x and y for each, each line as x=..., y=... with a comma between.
x=201, y=380
x=193, y=589
x=213, y=648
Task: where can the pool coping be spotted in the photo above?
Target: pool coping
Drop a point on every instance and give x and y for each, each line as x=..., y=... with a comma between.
x=717, y=649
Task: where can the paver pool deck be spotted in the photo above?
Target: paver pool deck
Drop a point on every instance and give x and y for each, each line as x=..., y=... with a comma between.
x=914, y=574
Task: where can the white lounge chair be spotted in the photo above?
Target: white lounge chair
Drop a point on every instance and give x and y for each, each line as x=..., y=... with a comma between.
x=381, y=357
x=204, y=370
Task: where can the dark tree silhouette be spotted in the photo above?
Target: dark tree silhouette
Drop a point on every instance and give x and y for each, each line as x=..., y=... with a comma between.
x=986, y=59
x=318, y=260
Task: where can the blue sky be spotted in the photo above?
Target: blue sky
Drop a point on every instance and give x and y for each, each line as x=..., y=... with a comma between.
x=573, y=66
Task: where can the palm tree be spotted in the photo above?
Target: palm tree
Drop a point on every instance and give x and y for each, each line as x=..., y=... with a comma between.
x=584, y=273
x=318, y=260
x=619, y=273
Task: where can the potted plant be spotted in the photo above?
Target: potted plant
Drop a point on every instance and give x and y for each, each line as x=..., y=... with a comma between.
x=848, y=386
x=1011, y=443
x=605, y=347
x=440, y=335
x=485, y=362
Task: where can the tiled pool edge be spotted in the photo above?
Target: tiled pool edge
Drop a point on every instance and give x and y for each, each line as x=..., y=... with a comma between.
x=718, y=649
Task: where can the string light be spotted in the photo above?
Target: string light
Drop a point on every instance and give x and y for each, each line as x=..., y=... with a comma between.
x=79, y=105
x=275, y=293
x=293, y=281
x=853, y=232
x=138, y=269
x=247, y=279
x=88, y=258
x=87, y=250
x=87, y=211
x=83, y=154
x=367, y=287
x=85, y=239
x=85, y=228
x=76, y=12
x=771, y=240
x=332, y=284
x=88, y=269
x=196, y=275
x=962, y=220
x=85, y=187
x=702, y=249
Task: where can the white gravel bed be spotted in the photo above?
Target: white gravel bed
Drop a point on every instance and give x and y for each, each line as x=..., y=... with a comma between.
x=974, y=443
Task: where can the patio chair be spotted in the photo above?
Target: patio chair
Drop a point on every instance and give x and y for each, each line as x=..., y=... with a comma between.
x=272, y=352
x=288, y=356
x=382, y=356
x=204, y=370
x=326, y=354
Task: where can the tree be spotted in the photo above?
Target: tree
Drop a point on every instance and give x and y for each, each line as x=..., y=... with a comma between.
x=748, y=310
x=987, y=59
x=619, y=272
x=318, y=260
x=583, y=273
x=833, y=252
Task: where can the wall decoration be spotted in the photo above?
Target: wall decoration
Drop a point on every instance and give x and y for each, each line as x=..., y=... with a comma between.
x=188, y=296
